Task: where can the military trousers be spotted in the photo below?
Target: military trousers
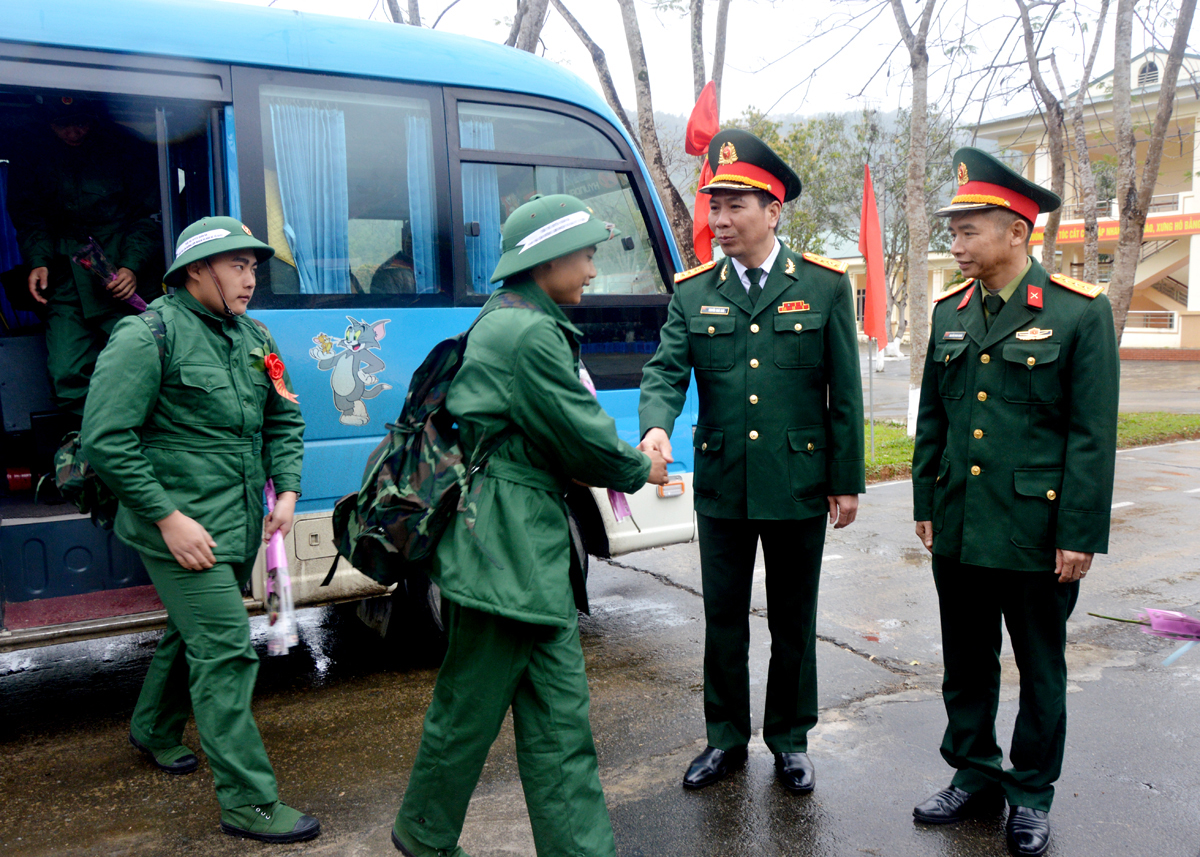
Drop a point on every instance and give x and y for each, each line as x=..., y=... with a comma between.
x=1034, y=607
x=492, y=664
x=205, y=664
x=792, y=556
x=73, y=343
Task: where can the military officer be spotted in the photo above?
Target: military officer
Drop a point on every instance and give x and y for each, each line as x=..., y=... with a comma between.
x=771, y=337
x=186, y=439
x=1012, y=489
x=512, y=593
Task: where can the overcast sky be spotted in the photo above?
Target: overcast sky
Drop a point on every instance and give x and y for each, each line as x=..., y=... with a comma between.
x=776, y=58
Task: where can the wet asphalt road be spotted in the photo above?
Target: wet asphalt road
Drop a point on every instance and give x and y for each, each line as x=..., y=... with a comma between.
x=342, y=723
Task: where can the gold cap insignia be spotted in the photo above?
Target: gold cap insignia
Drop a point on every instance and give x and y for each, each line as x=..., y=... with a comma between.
x=728, y=155
x=963, y=178
x=246, y=229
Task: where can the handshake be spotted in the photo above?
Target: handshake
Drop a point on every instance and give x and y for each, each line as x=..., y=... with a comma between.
x=657, y=445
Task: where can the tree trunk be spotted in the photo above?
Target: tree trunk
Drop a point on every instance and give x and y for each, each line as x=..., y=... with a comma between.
x=1134, y=202
x=914, y=203
x=394, y=10
x=527, y=25
x=678, y=216
x=414, y=13
x=699, y=78
x=719, y=48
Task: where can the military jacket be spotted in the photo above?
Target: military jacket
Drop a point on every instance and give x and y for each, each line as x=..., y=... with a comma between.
x=107, y=189
x=1016, y=429
x=521, y=370
x=199, y=431
x=781, y=412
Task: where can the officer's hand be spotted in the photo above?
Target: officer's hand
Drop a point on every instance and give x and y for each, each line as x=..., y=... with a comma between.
x=281, y=516
x=38, y=278
x=657, y=439
x=843, y=509
x=658, y=466
x=123, y=285
x=1071, y=566
x=188, y=541
x=925, y=534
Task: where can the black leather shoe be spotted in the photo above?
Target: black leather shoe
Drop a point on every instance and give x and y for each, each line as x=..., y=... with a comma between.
x=713, y=765
x=1027, y=831
x=951, y=805
x=795, y=772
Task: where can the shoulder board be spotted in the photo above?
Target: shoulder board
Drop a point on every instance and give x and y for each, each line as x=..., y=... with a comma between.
x=953, y=290
x=691, y=272
x=1079, y=286
x=831, y=264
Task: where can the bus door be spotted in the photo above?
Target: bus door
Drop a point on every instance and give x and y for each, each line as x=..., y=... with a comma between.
x=142, y=152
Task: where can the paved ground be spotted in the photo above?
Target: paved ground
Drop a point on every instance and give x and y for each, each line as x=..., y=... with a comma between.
x=342, y=725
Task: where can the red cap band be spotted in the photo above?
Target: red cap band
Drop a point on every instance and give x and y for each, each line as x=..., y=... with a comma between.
x=982, y=193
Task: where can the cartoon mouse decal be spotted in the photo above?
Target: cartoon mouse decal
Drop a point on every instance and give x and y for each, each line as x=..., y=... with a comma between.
x=352, y=370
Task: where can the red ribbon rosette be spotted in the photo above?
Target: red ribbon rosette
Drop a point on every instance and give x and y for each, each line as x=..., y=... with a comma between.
x=274, y=369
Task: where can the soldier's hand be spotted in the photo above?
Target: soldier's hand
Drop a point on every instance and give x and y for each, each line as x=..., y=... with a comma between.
x=188, y=541
x=925, y=534
x=281, y=516
x=658, y=466
x=123, y=285
x=843, y=509
x=659, y=440
x=38, y=278
x=1071, y=566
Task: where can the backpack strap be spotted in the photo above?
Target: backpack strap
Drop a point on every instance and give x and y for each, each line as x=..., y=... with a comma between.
x=158, y=328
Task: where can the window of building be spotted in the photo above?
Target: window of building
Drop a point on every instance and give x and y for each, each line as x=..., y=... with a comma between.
x=1148, y=74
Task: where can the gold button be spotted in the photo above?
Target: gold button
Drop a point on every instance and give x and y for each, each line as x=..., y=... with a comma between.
x=978, y=433
x=1030, y=361
x=982, y=396
x=703, y=446
x=753, y=399
x=799, y=327
x=754, y=328
x=754, y=435
x=711, y=329
x=975, y=470
x=1050, y=495
x=985, y=358
x=947, y=358
x=753, y=362
x=810, y=447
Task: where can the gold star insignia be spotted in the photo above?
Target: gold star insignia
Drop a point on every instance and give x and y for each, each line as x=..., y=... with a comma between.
x=963, y=178
x=728, y=155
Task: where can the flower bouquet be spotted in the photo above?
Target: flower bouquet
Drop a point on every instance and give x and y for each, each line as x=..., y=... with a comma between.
x=281, y=613
x=1165, y=623
x=91, y=258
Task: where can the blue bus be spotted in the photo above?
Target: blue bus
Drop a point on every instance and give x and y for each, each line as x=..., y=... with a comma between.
x=380, y=161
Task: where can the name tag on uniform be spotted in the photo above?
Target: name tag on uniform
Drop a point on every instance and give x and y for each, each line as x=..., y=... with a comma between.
x=954, y=334
x=714, y=310
x=794, y=306
x=1034, y=333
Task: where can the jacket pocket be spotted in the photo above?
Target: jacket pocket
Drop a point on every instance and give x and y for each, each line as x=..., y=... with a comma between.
x=707, y=443
x=806, y=461
x=1035, y=508
x=1031, y=373
x=798, y=340
x=950, y=358
x=206, y=394
x=712, y=342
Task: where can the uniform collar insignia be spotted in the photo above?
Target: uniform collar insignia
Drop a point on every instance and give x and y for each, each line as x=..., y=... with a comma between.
x=724, y=271
x=1034, y=333
x=790, y=267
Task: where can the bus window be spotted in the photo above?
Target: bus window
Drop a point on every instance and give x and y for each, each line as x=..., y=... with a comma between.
x=350, y=196
x=491, y=192
x=504, y=128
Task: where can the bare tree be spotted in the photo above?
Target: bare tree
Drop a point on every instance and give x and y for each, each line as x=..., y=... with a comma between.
x=414, y=13
x=915, y=213
x=527, y=24
x=1134, y=200
x=696, y=31
x=602, y=71
x=1055, y=125
x=394, y=13
x=719, y=48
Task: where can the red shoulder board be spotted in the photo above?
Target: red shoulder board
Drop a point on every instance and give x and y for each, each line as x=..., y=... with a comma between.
x=831, y=264
x=691, y=272
x=953, y=290
x=1078, y=286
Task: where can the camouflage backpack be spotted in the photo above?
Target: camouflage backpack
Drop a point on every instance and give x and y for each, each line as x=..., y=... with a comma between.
x=74, y=476
x=418, y=477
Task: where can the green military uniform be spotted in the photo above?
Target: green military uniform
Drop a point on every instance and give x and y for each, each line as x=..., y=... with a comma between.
x=1014, y=457
x=512, y=599
x=780, y=429
x=198, y=431
x=107, y=189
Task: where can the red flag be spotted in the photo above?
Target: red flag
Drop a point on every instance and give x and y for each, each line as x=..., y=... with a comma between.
x=702, y=126
x=870, y=245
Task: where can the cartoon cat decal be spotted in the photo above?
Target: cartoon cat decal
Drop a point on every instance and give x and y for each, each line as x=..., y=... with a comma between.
x=353, y=369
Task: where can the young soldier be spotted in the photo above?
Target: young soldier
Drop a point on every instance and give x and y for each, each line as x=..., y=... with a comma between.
x=511, y=592
x=1012, y=489
x=771, y=337
x=186, y=442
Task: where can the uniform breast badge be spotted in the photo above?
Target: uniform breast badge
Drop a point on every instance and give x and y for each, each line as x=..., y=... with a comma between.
x=956, y=335
x=1034, y=333
x=794, y=306
x=714, y=310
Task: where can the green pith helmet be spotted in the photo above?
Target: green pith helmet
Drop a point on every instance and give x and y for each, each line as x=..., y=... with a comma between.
x=985, y=182
x=211, y=236
x=545, y=228
x=741, y=162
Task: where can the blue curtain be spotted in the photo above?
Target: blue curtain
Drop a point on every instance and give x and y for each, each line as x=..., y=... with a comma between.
x=10, y=257
x=421, y=219
x=310, y=156
x=481, y=203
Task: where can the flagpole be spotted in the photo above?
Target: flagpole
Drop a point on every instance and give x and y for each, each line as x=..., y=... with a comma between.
x=871, y=389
